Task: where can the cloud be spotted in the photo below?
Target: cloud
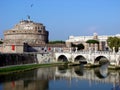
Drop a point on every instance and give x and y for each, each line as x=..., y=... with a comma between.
x=92, y=29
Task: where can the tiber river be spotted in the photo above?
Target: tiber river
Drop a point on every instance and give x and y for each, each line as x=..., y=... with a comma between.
x=62, y=78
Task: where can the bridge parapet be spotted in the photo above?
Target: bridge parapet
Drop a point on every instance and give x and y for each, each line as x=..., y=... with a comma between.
x=90, y=57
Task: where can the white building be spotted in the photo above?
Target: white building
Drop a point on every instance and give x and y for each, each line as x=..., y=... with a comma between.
x=82, y=40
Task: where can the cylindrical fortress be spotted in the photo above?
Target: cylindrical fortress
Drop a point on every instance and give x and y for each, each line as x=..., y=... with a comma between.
x=26, y=31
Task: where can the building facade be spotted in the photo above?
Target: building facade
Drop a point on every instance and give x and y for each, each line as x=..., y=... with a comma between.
x=83, y=39
x=23, y=34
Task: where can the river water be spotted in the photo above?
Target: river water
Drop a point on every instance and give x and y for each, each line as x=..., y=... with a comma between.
x=62, y=78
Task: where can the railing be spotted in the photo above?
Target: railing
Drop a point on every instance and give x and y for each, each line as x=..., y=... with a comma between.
x=89, y=52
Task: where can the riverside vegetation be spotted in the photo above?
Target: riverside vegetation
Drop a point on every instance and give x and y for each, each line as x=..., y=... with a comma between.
x=21, y=68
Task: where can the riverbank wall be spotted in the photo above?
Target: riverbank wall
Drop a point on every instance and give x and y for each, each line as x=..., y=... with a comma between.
x=8, y=59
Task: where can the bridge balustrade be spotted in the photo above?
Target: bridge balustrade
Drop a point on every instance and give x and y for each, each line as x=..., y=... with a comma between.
x=91, y=55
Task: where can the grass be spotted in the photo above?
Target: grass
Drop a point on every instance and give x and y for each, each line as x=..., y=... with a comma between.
x=20, y=68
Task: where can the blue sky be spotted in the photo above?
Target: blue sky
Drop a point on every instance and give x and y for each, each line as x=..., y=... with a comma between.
x=63, y=18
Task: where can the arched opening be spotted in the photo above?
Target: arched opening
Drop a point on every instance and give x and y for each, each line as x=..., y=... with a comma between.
x=62, y=58
x=80, y=59
x=101, y=60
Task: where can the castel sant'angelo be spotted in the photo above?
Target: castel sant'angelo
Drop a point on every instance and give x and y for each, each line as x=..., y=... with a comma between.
x=26, y=32
x=29, y=36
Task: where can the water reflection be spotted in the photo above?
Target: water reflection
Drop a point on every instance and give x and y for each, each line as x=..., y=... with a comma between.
x=102, y=72
x=63, y=78
x=79, y=70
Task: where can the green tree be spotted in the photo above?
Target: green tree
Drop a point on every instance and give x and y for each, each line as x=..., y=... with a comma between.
x=79, y=46
x=1, y=42
x=92, y=41
x=113, y=42
x=57, y=42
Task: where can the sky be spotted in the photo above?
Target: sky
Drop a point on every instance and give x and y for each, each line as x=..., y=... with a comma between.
x=63, y=18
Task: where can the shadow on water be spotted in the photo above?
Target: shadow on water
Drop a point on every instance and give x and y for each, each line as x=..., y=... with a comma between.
x=18, y=76
x=28, y=80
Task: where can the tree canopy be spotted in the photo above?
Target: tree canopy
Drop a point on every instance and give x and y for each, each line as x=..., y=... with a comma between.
x=56, y=42
x=92, y=41
x=79, y=46
x=1, y=42
x=113, y=42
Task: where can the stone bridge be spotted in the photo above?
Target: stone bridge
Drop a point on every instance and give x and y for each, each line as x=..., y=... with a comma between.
x=91, y=57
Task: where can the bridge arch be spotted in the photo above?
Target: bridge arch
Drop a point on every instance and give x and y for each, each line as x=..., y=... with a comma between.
x=104, y=59
x=62, y=58
x=80, y=59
